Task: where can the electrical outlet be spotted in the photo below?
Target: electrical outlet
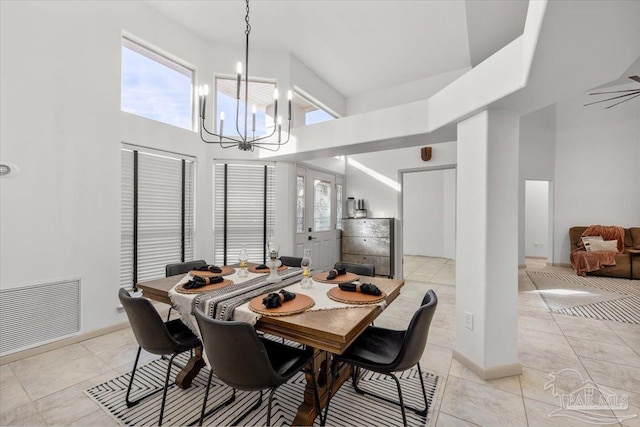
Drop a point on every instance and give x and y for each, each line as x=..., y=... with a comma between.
x=468, y=320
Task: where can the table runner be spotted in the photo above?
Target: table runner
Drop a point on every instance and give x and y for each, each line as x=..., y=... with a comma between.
x=232, y=302
x=226, y=298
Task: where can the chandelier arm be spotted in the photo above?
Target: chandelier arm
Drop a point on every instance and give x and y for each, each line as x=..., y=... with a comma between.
x=230, y=140
x=265, y=136
x=280, y=143
x=219, y=142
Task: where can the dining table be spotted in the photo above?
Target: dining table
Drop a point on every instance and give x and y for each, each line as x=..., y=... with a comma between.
x=329, y=326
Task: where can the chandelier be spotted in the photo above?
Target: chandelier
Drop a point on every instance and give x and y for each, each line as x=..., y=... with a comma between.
x=246, y=139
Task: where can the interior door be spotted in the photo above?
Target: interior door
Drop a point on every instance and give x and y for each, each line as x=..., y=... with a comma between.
x=321, y=229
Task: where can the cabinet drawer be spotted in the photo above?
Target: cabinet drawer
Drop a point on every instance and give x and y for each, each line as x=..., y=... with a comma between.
x=366, y=245
x=366, y=227
x=382, y=263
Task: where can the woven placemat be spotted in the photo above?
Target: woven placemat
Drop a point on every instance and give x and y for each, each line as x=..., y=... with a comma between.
x=181, y=290
x=339, y=295
x=343, y=278
x=297, y=305
x=225, y=272
x=266, y=271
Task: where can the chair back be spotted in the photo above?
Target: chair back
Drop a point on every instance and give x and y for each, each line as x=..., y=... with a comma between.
x=149, y=329
x=291, y=261
x=236, y=354
x=415, y=338
x=183, y=267
x=359, y=269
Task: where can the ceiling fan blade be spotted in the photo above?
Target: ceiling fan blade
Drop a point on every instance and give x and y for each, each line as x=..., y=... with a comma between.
x=636, y=78
x=613, y=91
x=636, y=93
x=624, y=100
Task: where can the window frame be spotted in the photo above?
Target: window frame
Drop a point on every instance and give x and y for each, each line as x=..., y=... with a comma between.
x=168, y=60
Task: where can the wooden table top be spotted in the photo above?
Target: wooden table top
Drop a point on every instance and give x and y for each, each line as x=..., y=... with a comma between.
x=330, y=330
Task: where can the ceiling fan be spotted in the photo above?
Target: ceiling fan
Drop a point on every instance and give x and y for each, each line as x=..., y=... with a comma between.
x=627, y=94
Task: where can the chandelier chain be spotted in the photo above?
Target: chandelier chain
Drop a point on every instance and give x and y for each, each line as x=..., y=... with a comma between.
x=246, y=19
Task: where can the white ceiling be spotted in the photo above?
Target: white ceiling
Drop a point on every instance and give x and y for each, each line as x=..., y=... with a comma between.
x=359, y=46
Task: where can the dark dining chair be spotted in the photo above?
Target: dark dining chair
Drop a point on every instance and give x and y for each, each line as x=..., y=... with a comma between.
x=291, y=261
x=245, y=361
x=156, y=337
x=387, y=351
x=181, y=268
x=359, y=269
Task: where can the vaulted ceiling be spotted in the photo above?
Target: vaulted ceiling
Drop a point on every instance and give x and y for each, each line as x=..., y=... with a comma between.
x=359, y=46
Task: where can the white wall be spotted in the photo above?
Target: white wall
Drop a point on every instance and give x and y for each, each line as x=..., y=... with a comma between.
x=423, y=213
x=381, y=198
x=61, y=124
x=401, y=94
x=428, y=213
x=536, y=218
x=597, y=176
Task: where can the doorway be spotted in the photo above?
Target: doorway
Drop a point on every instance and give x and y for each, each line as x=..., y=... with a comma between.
x=428, y=212
x=538, y=240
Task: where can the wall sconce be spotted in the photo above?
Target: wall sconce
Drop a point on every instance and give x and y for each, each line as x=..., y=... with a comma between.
x=425, y=154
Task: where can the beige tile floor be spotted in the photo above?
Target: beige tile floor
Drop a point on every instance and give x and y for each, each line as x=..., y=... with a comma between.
x=47, y=389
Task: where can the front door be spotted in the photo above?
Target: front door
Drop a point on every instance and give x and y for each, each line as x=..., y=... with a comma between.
x=316, y=229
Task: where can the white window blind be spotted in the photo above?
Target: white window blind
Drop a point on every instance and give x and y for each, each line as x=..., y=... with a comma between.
x=161, y=238
x=245, y=208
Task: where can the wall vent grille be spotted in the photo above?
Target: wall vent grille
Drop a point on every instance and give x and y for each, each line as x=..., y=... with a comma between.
x=35, y=315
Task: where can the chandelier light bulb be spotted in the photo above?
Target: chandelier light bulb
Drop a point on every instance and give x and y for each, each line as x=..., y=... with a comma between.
x=221, y=116
x=206, y=90
x=239, y=68
x=290, y=95
x=276, y=94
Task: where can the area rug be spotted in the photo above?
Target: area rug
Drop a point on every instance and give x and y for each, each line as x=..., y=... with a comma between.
x=183, y=406
x=601, y=298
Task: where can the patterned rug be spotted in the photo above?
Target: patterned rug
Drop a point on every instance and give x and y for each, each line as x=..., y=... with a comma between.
x=183, y=406
x=601, y=298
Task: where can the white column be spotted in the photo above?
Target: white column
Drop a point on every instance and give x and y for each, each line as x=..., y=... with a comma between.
x=487, y=244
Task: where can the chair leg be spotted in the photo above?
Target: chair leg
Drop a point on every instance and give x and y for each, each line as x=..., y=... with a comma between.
x=169, y=313
x=424, y=394
x=133, y=373
x=253, y=408
x=422, y=412
x=404, y=415
x=273, y=390
x=166, y=385
x=206, y=395
x=203, y=415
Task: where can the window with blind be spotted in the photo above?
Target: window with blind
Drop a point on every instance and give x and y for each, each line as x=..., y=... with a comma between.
x=157, y=213
x=243, y=210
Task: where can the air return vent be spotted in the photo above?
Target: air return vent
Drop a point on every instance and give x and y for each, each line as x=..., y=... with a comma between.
x=34, y=315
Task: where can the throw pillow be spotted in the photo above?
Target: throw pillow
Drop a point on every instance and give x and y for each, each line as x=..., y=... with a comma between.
x=604, y=246
x=586, y=241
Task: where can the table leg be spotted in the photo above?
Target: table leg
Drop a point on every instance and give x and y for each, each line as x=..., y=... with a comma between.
x=307, y=411
x=190, y=371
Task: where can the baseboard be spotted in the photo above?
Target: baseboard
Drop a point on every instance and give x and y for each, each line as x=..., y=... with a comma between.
x=488, y=373
x=521, y=266
x=559, y=264
x=536, y=257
